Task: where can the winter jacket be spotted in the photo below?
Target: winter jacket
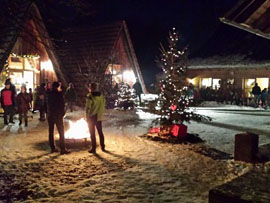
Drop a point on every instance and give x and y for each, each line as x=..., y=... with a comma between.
x=7, y=97
x=40, y=95
x=138, y=88
x=70, y=95
x=256, y=90
x=23, y=102
x=55, y=104
x=95, y=105
x=263, y=95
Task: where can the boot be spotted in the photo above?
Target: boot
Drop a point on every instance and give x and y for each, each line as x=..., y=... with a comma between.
x=92, y=151
x=26, y=123
x=64, y=151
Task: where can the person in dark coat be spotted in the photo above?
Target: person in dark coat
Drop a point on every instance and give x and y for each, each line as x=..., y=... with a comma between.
x=23, y=104
x=41, y=94
x=70, y=96
x=138, y=89
x=256, y=91
x=35, y=100
x=31, y=98
x=8, y=102
x=55, y=114
x=12, y=86
x=263, y=97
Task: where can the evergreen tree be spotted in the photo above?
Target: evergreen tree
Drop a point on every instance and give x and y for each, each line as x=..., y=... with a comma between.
x=173, y=101
x=125, y=98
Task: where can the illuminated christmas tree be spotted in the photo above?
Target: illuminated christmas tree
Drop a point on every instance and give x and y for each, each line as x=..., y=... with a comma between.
x=126, y=97
x=173, y=102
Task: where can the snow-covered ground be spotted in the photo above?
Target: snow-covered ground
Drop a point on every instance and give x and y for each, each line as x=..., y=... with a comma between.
x=229, y=120
x=133, y=170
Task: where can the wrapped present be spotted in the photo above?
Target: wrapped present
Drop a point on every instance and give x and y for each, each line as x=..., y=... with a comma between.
x=179, y=130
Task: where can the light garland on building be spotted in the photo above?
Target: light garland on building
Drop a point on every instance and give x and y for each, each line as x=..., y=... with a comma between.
x=32, y=56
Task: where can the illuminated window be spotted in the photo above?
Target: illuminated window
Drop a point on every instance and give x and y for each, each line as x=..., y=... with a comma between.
x=206, y=82
x=249, y=83
x=192, y=81
x=216, y=83
x=29, y=79
x=113, y=69
x=129, y=76
x=17, y=79
x=15, y=59
x=15, y=63
x=263, y=82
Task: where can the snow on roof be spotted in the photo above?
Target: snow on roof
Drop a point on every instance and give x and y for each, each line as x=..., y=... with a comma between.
x=230, y=47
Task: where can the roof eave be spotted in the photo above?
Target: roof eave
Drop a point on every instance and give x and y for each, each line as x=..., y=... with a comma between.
x=245, y=27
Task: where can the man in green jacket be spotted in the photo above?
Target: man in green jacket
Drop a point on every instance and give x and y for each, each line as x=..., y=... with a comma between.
x=94, y=110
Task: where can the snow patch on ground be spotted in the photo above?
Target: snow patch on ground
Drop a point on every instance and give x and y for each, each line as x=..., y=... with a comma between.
x=133, y=170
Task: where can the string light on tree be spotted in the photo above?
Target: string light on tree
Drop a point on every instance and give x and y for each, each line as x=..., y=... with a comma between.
x=126, y=97
x=173, y=100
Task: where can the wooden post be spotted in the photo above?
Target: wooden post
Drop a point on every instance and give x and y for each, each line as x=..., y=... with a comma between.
x=246, y=147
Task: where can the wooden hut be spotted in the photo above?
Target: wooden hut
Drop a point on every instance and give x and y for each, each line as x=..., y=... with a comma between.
x=27, y=55
x=90, y=52
x=232, y=56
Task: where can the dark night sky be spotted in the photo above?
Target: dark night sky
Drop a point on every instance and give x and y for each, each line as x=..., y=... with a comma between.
x=149, y=22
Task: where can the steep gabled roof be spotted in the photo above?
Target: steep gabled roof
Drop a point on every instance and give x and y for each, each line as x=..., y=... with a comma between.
x=250, y=15
x=82, y=46
x=12, y=16
x=78, y=43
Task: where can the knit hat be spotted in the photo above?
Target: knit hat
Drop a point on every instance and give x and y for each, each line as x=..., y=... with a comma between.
x=7, y=83
x=55, y=85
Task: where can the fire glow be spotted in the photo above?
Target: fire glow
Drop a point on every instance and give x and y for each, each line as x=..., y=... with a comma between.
x=77, y=130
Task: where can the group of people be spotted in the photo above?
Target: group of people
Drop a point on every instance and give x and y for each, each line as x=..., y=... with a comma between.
x=228, y=95
x=232, y=95
x=50, y=101
x=39, y=98
x=261, y=97
x=10, y=100
x=94, y=110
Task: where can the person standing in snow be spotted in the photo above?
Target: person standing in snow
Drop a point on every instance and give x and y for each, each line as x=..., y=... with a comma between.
x=267, y=104
x=12, y=86
x=8, y=102
x=138, y=89
x=40, y=97
x=263, y=97
x=31, y=98
x=23, y=103
x=256, y=91
x=94, y=110
x=70, y=96
x=56, y=111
